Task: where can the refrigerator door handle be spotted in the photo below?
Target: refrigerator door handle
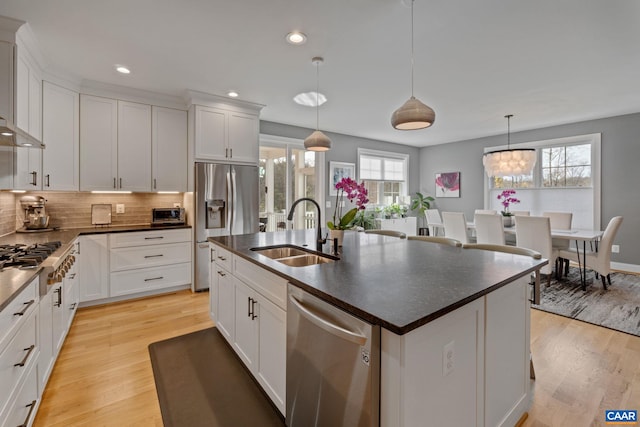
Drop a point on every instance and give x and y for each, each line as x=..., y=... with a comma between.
x=231, y=208
x=234, y=196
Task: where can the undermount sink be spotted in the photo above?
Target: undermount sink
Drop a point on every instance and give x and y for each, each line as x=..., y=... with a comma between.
x=293, y=256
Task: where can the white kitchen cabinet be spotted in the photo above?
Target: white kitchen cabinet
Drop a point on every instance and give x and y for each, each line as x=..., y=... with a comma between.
x=251, y=315
x=213, y=284
x=45, y=339
x=134, y=146
x=405, y=225
x=7, y=155
x=93, y=267
x=28, y=169
x=98, y=143
x=149, y=260
x=226, y=135
x=61, y=135
x=169, y=149
x=28, y=94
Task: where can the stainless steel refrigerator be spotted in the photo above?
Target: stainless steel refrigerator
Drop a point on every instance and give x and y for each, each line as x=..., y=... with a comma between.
x=226, y=203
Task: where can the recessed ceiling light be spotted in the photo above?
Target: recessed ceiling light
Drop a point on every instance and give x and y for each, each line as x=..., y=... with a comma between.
x=310, y=99
x=7, y=133
x=122, y=69
x=296, y=37
x=233, y=94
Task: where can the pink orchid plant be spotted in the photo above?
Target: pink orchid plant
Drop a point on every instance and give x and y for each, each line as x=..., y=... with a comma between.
x=507, y=198
x=353, y=191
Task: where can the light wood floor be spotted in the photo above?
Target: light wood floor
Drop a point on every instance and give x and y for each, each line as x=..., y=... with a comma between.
x=103, y=376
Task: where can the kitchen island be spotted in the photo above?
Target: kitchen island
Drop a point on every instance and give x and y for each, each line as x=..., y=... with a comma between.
x=454, y=322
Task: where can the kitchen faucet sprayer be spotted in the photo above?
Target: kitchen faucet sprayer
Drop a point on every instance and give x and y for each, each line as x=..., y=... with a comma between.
x=320, y=241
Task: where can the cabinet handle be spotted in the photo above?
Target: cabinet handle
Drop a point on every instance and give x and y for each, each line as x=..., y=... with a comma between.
x=222, y=258
x=154, y=184
x=73, y=276
x=59, y=292
x=73, y=306
x=121, y=183
x=154, y=278
x=211, y=255
x=231, y=152
x=78, y=248
x=26, y=356
x=153, y=256
x=34, y=174
x=248, y=306
x=253, y=309
x=31, y=406
x=221, y=273
x=154, y=238
x=24, y=310
x=47, y=176
x=226, y=152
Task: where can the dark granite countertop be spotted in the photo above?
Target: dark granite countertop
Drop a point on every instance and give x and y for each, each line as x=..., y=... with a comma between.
x=13, y=280
x=396, y=283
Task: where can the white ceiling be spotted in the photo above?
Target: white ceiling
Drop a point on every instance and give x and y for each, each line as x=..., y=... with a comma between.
x=547, y=62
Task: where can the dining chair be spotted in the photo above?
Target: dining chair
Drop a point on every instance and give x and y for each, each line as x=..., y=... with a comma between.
x=534, y=232
x=489, y=229
x=434, y=222
x=521, y=213
x=536, y=283
x=486, y=212
x=391, y=233
x=455, y=226
x=560, y=221
x=600, y=261
x=437, y=239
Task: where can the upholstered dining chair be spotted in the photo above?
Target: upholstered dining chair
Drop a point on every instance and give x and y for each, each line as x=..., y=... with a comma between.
x=391, y=233
x=489, y=229
x=434, y=221
x=455, y=226
x=534, y=232
x=600, y=261
x=521, y=213
x=536, y=284
x=485, y=212
x=560, y=221
x=437, y=239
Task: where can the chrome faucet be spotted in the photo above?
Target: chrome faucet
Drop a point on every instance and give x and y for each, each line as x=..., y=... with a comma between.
x=320, y=241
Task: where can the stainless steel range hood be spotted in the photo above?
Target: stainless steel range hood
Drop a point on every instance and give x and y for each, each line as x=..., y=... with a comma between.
x=10, y=135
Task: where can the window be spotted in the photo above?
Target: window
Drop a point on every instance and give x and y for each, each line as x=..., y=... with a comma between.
x=384, y=175
x=566, y=166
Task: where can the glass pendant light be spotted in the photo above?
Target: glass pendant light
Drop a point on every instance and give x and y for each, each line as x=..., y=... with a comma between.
x=413, y=114
x=509, y=162
x=317, y=141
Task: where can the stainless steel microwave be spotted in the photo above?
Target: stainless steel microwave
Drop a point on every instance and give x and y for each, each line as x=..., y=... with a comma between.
x=167, y=216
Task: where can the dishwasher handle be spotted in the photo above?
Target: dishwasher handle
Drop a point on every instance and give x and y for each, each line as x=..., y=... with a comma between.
x=325, y=324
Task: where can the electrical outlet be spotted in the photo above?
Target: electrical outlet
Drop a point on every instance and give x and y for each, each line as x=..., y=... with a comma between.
x=448, y=358
x=327, y=204
x=120, y=208
x=615, y=249
x=176, y=205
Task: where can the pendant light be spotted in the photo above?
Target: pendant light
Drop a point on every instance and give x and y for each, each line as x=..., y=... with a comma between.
x=317, y=141
x=413, y=114
x=509, y=162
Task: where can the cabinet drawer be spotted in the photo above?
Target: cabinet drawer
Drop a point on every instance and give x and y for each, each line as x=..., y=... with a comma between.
x=20, y=351
x=149, y=256
x=143, y=238
x=24, y=303
x=22, y=409
x=268, y=284
x=146, y=279
x=223, y=258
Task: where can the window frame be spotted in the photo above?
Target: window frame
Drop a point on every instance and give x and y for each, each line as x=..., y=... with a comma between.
x=593, y=139
x=386, y=155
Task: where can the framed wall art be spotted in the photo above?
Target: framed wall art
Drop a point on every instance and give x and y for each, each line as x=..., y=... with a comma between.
x=448, y=184
x=337, y=171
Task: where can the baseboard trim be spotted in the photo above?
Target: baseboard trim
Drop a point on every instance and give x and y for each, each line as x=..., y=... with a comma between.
x=631, y=268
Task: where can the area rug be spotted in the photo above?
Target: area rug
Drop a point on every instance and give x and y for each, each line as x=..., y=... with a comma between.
x=616, y=308
x=201, y=382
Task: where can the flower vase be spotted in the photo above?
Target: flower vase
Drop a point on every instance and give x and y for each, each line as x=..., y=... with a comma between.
x=337, y=234
x=507, y=220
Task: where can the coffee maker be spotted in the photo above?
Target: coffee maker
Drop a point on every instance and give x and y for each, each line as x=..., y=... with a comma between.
x=35, y=216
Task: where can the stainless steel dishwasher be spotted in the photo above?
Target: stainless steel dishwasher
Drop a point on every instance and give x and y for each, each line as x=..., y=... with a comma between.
x=333, y=365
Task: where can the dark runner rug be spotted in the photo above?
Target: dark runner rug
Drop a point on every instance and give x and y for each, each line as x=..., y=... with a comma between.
x=201, y=382
x=616, y=308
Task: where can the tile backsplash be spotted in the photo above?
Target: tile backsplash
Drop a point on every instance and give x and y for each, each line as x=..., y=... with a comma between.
x=73, y=209
x=7, y=213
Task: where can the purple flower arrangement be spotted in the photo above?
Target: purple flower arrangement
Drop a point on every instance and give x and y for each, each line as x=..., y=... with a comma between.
x=354, y=192
x=507, y=198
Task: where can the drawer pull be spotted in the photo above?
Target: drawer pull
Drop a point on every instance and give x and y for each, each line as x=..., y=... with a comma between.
x=222, y=258
x=221, y=273
x=253, y=309
x=73, y=306
x=154, y=278
x=154, y=238
x=24, y=361
x=153, y=256
x=24, y=310
x=31, y=406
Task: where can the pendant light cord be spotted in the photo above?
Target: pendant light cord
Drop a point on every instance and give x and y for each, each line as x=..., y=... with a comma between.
x=412, y=1
x=317, y=95
x=508, y=117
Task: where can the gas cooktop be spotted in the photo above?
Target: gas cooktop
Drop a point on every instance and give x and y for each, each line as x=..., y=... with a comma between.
x=26, y=256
